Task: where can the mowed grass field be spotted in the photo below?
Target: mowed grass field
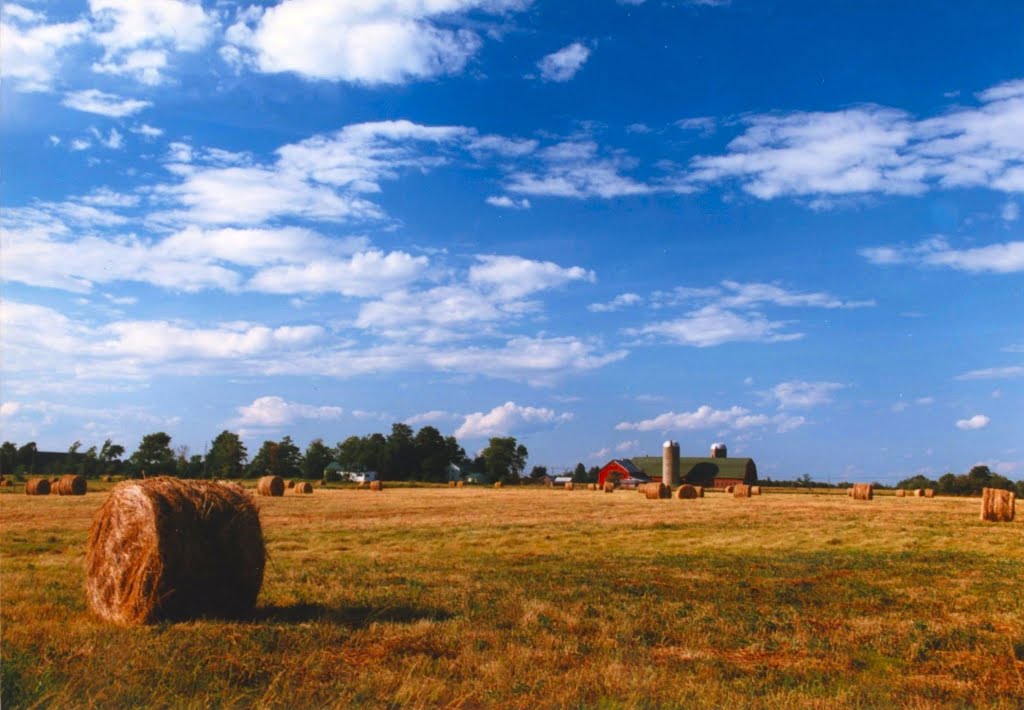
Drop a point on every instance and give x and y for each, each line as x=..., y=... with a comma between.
x=525, y=598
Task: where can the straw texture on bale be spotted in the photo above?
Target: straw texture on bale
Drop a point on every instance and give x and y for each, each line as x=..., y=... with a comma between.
x=167, y=549
x=863, y=491
x=376, y=486
x=270, y=486
x=919, y=493
x=38, y=487
x=657, y=490
x=929, y=492
x=900, y=493
x=687, y=491
x=569, y=486
x=609, y=487
x=741, y=491
x=998, y=506
x=302, y=487
x=71, y=486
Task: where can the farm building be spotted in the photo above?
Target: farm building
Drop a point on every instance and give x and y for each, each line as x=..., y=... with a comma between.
x=457, y=473
x=621, y=470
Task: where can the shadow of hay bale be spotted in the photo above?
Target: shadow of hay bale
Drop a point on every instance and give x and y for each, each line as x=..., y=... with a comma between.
x=355, y=617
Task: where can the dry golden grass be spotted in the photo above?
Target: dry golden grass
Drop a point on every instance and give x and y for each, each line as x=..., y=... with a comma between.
x=524, y=598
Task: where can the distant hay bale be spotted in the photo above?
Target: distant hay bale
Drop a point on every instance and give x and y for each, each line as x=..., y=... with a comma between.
x=451, y=484
x=38, y=487
x=460, y=484
x=609, y=487
x=498, y=484
x=569, y=486
x=863, y=491
x=376, y=486
x=53, y=481
x=168, y=549
x=730, y=489
x=270, y=486
x=323, y=483
x=998, y=506
x=929, y=492
x=686, y=491
x=71, y=485
x=302, y=487
x=741, y=491
x=362, y=485
x=657, y=490
x=919, y=493
x=7, y=483
x=900, y=493
x=591, y=486
x=108, y=479
x=290, y=484
x=755, y=490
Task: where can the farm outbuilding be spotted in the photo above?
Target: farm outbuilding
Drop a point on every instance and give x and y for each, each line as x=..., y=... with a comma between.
x=708, y=472
x=622, y=469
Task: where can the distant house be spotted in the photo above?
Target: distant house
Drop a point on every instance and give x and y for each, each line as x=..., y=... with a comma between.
x=623, y=471
x=457, y=473
x=709, y=472
x=335, y=470
x=562, y=479
x=361, y=476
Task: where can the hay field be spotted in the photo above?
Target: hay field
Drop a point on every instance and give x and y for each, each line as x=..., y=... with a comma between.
x=525, y=598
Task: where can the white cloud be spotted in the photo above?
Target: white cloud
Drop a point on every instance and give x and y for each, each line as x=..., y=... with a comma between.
x=993, y=373
x=707, y=417
x=565, y=63
x=576, y=169
x=372, y=42
x=113, y=140
x=599, y=455
x=364, y=274
x=798, y=394
x=148, y=131
x=138, y=37
x=80, y=144
x=272, y=411
x=104, y=104
x=999, y=258
x=509, y=418
x=626, y=447
x=978, y=421
x=1010, y=211
x=705, y=125
x=511, y=277
x=30, y=50
x=508, y=203
x=435, y=416
x=623, y=300
x=713, y=325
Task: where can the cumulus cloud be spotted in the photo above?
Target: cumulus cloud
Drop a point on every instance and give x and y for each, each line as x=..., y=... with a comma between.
x=434, y=416
x=798, y=394
x=623, y=300
x=564, y=64
x=509, y=418
x=104, y=104
x=273, y=411
x=713, y=325
x=372, y=42
x=31, y=49
x=577, y=169
x=514, y=277
x=978, y=421
x=999, y=258
x=993, y=373
x=508, y=203
x=707, y=417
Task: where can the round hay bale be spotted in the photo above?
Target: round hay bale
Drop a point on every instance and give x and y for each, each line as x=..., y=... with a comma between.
x=755, y=490
x=741, y=491
x=451, y=484
x=71, y=485
x=107, y=479
x=730, y=489
x=7, y=483
x=460, y=484
x=376, y=486
x=657, y=490
x=900, y=493
x=270, y=486
x=863, y=491
x=591, y=486
x=919, y=493
x=686, y=491
x=609, y=487
x=290, y=484
x=998, y=506
x=569, y=486
x=302, y=487
x=53, y=481
x=929, y=492
x=38, y=487
x=498, y=484
x=323, y=483
x=168, y=549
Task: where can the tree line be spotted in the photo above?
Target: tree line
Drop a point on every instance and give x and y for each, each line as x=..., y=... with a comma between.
x=400, y=455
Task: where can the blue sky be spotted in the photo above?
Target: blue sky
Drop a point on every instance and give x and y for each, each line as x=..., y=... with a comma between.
x=794, y=227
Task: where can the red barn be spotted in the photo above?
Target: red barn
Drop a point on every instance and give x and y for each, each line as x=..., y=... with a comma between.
x=620, y=469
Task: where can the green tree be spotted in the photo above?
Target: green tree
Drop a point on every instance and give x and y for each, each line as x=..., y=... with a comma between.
x=154, y=455
x=317, y=457
x=109, y=456
x=402, y=462
x=8, y=458
x=227, y=456
x=267, y=461
x=350, y=453
x=579, y=474
x=289, y=457
x=433, y=453
x=537, y=473
x=504, y=459
x=27, y=457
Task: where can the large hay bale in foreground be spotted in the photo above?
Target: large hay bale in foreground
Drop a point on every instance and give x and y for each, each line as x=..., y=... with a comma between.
x=71, y=485
x=863, y=491
x=609, y=487
x=168, y=549
x=686, y=491
x=998, y=506
x=740, y=491
x=900, y=493
x=270, y=486
x=38, y=487
x=302, y=487
x=657, y=490
x=376, y=486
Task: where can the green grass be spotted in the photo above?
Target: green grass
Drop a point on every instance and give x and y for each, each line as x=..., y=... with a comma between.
x=426, y=597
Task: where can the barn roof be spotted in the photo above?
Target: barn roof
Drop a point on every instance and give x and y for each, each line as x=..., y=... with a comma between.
x=704, y=468
x=627, y=465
